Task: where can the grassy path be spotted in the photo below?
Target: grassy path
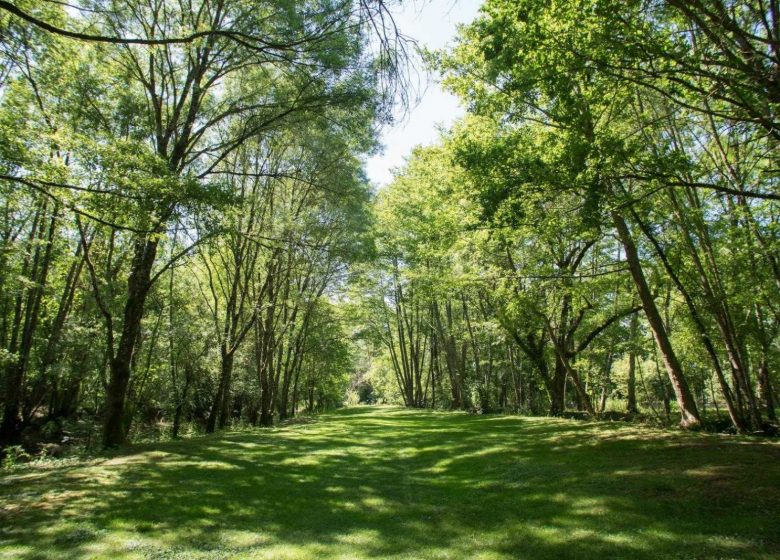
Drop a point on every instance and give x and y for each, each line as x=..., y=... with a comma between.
x=391, y=483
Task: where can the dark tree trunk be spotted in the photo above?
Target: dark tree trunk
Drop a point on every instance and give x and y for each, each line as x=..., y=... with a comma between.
x=578, y=385
x=182, y=399
x=26, y=323
x=556, y=388
x=225, y=408
x=218, y=414
x=116, y=424
x=765, y=389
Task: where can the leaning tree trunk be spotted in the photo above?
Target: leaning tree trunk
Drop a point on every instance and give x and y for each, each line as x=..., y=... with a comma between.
x=55, y=331
x=736, y=414
x=688, y=410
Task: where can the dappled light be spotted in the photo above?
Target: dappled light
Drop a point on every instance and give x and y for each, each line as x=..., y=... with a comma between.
x=379, y=482
x=389, y=279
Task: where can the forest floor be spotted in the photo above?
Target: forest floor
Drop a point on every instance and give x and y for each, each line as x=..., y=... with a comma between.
x=376, y=482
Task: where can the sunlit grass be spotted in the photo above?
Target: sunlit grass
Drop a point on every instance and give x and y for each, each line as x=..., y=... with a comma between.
x=392, y=483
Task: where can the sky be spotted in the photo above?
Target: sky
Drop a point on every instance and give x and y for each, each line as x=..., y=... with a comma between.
x=433, y=24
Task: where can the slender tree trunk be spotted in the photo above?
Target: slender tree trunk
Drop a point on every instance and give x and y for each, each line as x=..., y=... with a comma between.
x=607, y=383
x=218, y=415
x=26, y=323
x=688, y=410
x=265, y=356
x=735, y=413
x=55, y=333
x=765, y=388
x=182, y=399
x=631, y=389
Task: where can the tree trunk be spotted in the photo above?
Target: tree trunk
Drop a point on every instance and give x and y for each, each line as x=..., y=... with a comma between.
x=573, y=375
x=632, y=408
x=216, y=416
x=736, y=414
x=28, y=322
x=188, y=374
x=688, y=411
x=555, y=388
x=115, y=424
x=765, y=389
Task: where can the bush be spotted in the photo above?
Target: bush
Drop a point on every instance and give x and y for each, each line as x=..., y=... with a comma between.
x=352, y=398
x=14, y=454
x=52, y=430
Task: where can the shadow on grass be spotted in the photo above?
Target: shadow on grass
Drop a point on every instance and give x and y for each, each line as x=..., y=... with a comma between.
x=382, y=482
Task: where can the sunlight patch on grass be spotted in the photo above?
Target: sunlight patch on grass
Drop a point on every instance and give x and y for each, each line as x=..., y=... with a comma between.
x=376, y=483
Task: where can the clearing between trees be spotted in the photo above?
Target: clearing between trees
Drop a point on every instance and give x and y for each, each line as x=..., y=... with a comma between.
x=384, y=482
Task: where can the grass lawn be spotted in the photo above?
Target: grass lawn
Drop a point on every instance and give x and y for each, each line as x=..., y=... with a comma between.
x=392, y=483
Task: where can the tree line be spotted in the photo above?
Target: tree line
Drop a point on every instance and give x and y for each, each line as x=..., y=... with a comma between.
x=600, y=231
x=188, y=235
x=182, y=191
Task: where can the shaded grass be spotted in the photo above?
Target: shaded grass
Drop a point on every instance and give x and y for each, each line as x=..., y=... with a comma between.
x=391, y=483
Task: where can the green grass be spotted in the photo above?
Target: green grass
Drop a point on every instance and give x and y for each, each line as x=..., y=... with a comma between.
x=392, y=483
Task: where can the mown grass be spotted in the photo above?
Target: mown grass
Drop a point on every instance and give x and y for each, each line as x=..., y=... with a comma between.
x=392, y=483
